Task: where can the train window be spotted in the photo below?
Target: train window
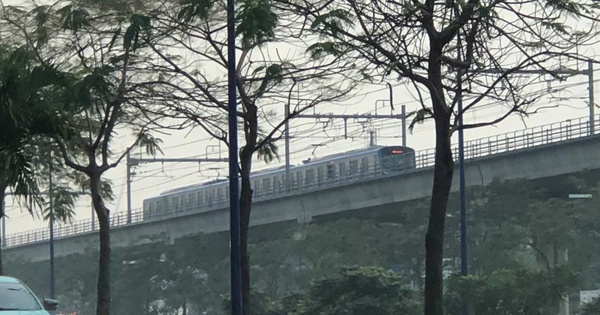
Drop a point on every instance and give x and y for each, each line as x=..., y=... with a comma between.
x=160, y=207
x=256, y=187
x=148, y=214
x=319, y=175
x=219, y=194
x=208, y=198
x=310, y=177
x=200, y=201
x=174, y=204
x=364, y=165
x=276, y=184
x=299, y=178
x=266, y=184
x=191, y=202
x=292, y=180
x=353, y=170
x=331, y=171
x=343, y=169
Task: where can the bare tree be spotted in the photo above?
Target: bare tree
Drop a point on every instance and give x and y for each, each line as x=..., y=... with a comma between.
x=272, y=71
x=446, y=50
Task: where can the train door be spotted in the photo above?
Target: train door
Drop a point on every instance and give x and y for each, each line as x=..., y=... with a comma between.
x=331, y=172
x=174, y=205
x=364, y=165
x=148, y=209
x=266, y=185
x=310, y=178
x=256, y=188
x=219, y=198
x=208, y=197
x=200, y=201
x=161, y=207
x=276, y=184
x=191, y=202
x=353, y=169
x=320, y=176
x=300, y=179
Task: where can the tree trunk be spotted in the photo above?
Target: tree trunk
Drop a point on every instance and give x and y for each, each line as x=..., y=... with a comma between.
x=103, y=285
x=434, y=238
x=245, y=206
x=2, y=196
x=251, y=135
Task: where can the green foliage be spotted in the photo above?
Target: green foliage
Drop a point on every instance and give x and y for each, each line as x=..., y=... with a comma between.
x=332, y=22
x=273, y=75
x=567, y=6
x=296, y=268
x=150, y=143
x=268, y=151
x=260, y=303
x=420, y=116
x=26, y=88
x=592, y=308
x=323, y=49
x=138, y=32
x=257, y=22
x=63, y=203
x=192, y=9
x=509, y=292
x=73, y=18
x=358, y=290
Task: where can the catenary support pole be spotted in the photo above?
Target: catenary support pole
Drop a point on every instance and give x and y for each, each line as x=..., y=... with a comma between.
x=287, y=146
x=403, y=125
x=591, y=95
x=51, y=208
x=128, y=166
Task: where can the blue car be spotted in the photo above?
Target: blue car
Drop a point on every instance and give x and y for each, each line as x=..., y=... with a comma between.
x=17, y=299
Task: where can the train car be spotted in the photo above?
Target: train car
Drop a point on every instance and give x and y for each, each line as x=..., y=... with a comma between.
x=331, y=170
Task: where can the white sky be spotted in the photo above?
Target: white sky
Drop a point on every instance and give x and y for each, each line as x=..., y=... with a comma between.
x=151, y=179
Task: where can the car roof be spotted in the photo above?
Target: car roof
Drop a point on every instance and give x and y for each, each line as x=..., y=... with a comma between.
x=5, y=279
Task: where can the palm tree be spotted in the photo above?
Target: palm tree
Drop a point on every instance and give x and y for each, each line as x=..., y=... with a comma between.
x=23, y=124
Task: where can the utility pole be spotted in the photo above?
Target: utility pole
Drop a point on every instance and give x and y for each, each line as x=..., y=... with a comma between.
x=51, y=199
x=234, y=189
x=131, y=162
x=590, y=74
x=464, y=258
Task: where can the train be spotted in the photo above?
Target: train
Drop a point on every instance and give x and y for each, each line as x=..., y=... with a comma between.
x=312, y=174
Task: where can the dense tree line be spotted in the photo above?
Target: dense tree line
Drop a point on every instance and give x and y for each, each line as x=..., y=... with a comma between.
x=295, y=266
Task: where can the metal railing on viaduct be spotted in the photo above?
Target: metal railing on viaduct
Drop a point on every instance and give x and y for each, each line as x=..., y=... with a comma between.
x=507, y=142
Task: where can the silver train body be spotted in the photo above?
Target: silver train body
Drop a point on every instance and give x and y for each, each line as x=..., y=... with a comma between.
x=338, y=169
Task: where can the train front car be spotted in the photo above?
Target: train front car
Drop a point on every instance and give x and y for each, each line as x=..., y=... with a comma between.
x=397, y=159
